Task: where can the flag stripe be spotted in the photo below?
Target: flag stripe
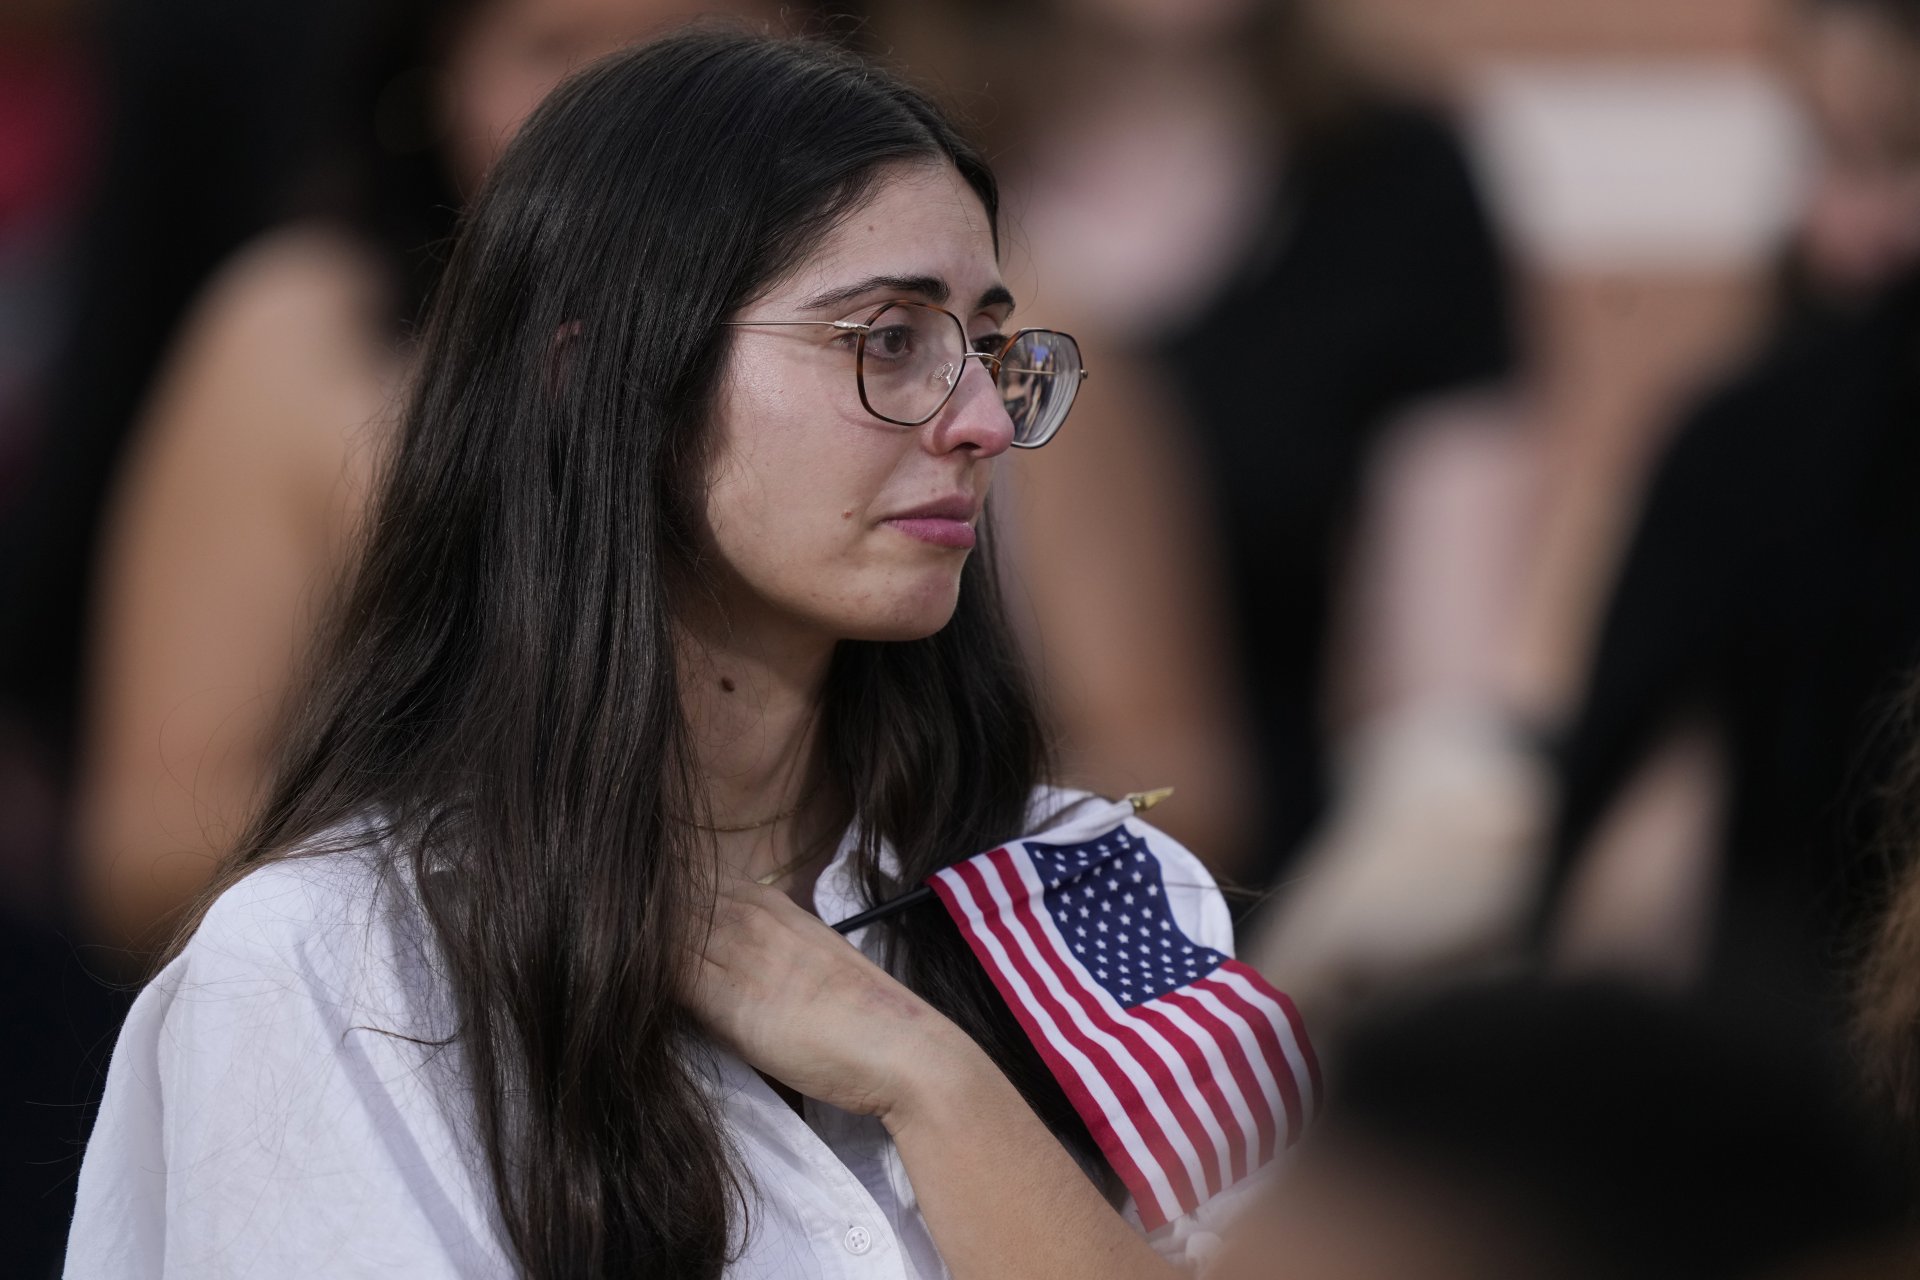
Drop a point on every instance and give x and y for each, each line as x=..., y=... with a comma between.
x=1228, y=1136
x=1298, y=1026
x=1229, y=1074
x=1279, y=1014
x=1268, y=1070
x=1263, y=1032
x=1204, y=1138
x=1250, y=1071
x=1106, y=1119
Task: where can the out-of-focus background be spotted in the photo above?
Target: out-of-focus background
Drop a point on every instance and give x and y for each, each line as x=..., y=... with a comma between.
x=1494, y=508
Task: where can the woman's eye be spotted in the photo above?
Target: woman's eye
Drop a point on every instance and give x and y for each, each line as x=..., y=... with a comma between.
x=990, y=344
x=894, y=342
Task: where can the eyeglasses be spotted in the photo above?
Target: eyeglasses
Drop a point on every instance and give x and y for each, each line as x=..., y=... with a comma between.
x=908, y=358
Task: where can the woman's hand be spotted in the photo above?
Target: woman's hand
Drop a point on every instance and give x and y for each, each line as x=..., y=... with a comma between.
x=999, y=1193
x=796, y=1000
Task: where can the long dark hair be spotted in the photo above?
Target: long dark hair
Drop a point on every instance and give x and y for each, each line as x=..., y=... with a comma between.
x=498, y=683
x=1886, y=969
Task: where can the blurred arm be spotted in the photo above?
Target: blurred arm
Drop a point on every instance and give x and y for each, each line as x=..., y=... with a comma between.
x=1674, y=598
x=1433, y=581
x=229, y=526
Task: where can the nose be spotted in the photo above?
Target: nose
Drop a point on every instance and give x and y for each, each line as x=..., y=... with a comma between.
x=974, y=417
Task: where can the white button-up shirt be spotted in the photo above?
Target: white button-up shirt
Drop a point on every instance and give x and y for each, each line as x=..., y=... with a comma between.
x=259, y=1120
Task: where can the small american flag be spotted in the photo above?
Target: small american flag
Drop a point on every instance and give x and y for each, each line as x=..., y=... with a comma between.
x=1189, y=1070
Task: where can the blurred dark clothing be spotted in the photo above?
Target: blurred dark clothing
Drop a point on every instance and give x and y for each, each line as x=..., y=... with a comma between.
x=1376, y=282
x=1639, y=1136
x=60, y=1020
x=1773, y=584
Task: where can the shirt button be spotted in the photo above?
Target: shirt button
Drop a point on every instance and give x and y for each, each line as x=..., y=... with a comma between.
x=858, y=1239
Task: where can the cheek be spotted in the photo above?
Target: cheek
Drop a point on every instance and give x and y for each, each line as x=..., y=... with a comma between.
x=772, y=502
x=798, y=485
x=791, y=492
x=795, y=528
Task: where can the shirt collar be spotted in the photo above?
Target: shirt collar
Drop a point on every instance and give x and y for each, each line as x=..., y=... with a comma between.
x=838, y=893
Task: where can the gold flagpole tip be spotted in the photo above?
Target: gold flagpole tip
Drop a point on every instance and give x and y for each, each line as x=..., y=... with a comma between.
x=1145, y=800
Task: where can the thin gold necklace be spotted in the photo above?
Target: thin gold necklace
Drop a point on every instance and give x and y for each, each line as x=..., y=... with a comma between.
x=781, y=816
x=771, y=877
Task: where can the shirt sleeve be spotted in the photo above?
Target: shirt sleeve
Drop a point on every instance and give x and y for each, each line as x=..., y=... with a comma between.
x=1192, y=1240
x=261, y=1118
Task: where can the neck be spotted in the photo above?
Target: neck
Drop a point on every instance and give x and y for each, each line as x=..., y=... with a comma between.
x=752, y=702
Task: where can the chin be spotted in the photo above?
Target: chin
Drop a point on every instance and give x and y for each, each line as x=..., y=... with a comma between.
x=904, y=615
x=895, y=628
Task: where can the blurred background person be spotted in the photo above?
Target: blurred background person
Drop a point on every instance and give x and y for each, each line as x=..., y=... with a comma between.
x=1580, y=1132
x=1770, y=592
x=1853, y=63
x=1693, y=797
x=244, y=479
x=1281, y=258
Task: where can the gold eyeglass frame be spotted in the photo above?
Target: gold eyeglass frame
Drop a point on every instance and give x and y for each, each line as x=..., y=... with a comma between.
x=990, y=361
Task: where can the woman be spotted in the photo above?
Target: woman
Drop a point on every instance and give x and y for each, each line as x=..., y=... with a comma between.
x=669, y=624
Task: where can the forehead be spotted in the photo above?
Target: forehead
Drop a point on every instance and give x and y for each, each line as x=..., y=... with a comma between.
x=921, y=219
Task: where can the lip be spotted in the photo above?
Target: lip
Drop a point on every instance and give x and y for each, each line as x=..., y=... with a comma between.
x=945, y=522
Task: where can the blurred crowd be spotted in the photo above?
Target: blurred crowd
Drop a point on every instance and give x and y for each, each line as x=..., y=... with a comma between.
x=1495, y=510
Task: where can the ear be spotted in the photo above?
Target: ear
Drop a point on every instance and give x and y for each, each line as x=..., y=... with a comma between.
x=560, y=352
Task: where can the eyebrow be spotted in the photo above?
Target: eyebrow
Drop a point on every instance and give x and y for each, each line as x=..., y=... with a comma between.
x=931, y=288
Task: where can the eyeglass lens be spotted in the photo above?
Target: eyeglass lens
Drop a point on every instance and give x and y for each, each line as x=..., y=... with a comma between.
x=914, y=357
